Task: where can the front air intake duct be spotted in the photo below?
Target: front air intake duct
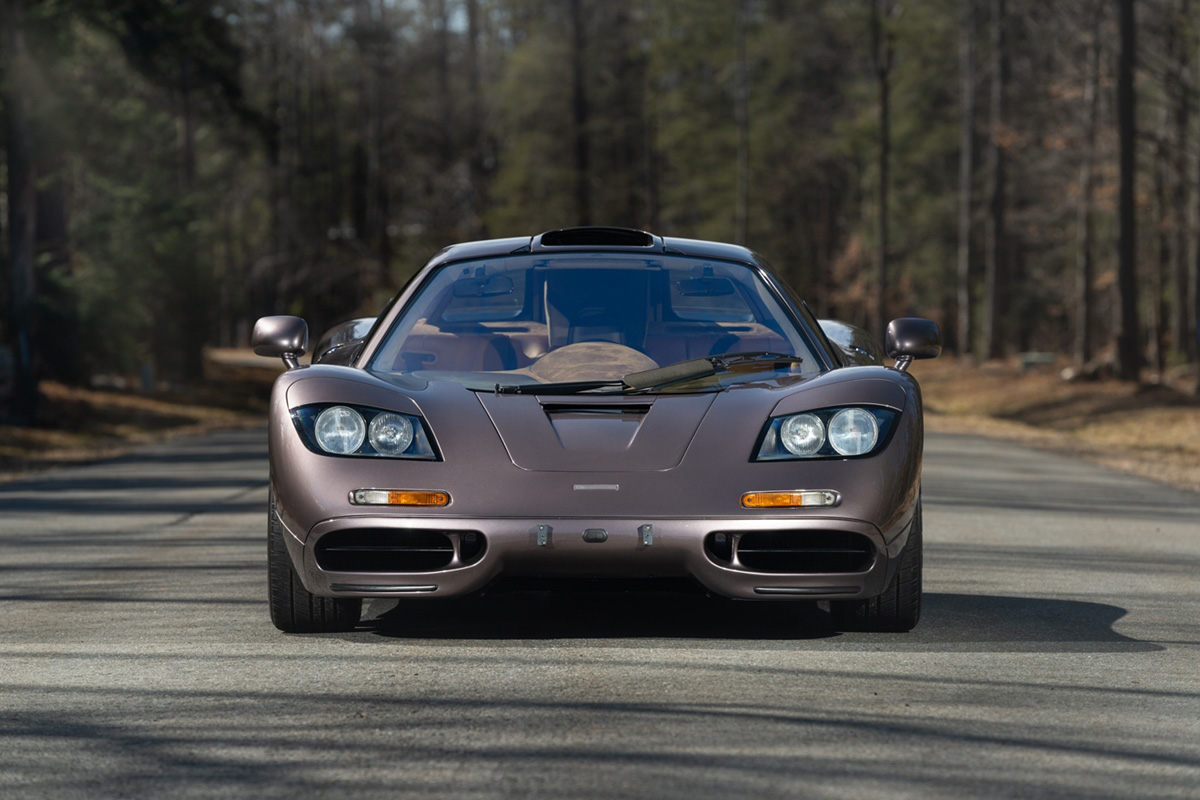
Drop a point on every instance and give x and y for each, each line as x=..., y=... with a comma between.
x=386, y=550
x=791, y=551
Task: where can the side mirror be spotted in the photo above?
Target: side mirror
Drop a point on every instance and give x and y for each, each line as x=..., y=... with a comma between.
x=912, y=337
x=282, y=337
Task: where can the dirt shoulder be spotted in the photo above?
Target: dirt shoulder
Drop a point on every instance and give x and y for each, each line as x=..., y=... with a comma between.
x=78, y=426
x=1149, y=430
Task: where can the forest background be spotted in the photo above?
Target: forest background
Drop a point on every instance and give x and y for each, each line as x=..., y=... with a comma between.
x=1025, y=173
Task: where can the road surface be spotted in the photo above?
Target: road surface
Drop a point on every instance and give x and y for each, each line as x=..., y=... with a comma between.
x=1059, y=656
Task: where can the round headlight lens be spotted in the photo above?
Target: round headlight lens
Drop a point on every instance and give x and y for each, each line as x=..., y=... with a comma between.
x=391, y=434
x=802, y=434
x=853, y=431
x=340, y=430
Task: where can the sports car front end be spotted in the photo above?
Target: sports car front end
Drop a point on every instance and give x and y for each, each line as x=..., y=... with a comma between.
x=527, y=415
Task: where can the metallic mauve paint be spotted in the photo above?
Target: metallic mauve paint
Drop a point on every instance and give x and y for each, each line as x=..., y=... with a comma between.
x=509, y=469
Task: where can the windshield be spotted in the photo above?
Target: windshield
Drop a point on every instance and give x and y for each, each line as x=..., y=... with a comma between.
x=579, y=318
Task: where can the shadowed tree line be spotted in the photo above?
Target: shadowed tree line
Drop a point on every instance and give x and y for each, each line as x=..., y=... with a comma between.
x=1023, y=172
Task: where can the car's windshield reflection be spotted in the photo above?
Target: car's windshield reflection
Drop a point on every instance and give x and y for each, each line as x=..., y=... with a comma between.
x=600, y=323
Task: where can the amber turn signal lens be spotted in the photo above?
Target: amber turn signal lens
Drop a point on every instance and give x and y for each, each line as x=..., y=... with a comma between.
x=798, y=499
x=398, y=497
x=418, y=498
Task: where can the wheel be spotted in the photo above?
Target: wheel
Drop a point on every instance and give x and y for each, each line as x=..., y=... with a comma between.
x=898, y=609
x=294, y=609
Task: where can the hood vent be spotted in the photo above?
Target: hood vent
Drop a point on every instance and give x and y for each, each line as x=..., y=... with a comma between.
x=596, y=434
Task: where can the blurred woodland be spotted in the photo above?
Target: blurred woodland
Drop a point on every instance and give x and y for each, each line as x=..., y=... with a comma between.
x=1024, y=172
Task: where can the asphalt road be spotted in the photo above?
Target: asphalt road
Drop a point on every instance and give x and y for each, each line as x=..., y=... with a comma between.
x=1059, y=656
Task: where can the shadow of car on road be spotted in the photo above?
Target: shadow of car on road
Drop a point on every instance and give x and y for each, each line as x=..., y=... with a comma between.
x=950, y=622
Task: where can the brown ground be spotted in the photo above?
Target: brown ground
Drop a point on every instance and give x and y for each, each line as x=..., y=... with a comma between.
x=1149, y=430
x=81, y=425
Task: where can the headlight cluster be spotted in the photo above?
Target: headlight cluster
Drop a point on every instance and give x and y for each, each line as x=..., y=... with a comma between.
x=356, y=431
x=827, y=433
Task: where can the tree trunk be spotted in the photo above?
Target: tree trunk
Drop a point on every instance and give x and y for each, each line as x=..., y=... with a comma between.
x=1162, y=263
x=189, y=307
x=1181, y=322
x=1129, y=350
x=579, y=105
x=1195, y=287
x=995, y=245
x=1085, y=229
x=966, y=163
x=22, y=215
x=268, y=291
x=476, y=161
x=882, y=51
x=741, y=117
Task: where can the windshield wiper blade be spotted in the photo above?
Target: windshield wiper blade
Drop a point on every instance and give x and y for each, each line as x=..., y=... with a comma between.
x=759, y=356
x=659, y=377
x=575, y=387
x=696, y=368
x=672, y=373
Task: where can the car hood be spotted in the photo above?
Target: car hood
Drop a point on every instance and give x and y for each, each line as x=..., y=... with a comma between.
x=681, y=454
x=596, y=434
x=591, y=433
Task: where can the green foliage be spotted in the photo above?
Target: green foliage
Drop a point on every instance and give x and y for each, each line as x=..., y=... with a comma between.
x=220, y=161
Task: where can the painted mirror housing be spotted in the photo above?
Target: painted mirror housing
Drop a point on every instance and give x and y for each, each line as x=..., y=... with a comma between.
x=285, y=337
x=912, y=337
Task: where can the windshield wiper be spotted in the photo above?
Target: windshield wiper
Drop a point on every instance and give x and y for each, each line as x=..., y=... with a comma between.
x=777, y=360
x=696, y=368
x=661, y=377
x=576, y=387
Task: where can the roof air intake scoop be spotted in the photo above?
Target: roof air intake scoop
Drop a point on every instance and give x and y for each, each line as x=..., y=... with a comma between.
x=596, y=237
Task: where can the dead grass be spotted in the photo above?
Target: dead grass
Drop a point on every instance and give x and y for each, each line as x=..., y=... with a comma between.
x=81, y=425
x=1148, y=430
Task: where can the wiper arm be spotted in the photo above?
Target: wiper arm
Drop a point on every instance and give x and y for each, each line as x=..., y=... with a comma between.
x=663, y=377
x=557, y=389
x=759, y=356
x=672, y=373
x=659, y=377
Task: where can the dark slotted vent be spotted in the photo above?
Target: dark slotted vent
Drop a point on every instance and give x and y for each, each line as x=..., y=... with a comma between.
x=593, y=237
x=396, y=550
x=792, y=551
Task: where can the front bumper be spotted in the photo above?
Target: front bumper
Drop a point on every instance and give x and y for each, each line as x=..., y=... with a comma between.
x=477, y=551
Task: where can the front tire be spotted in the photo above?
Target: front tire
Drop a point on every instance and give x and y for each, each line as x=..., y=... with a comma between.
x=898, y=609
x=294, y=609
